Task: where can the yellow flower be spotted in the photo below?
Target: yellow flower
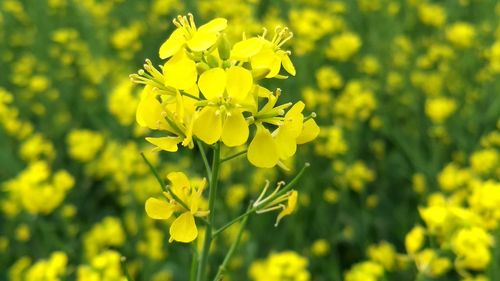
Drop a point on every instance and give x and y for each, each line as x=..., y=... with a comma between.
x=180, y=72
x=166, y=116
x=471, y=245
x=264, y=54
x=268, y=204
x=281, y=266
x=367, y=270
x=263, y=150
x=320, y=247
x=440, y=108
x=222, y=119
x=344, y=46
x=183, y=229
x=414, y=239
x=83, y=145
x=431, y=14
x=431, y=264
x=196, y=39
x=461, y=34
x=384, y=253
x=266, y=149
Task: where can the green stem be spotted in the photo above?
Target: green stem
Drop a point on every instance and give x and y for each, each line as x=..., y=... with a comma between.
x=189, y=95
x=162, y=183
x=230, y=253
x=194, y=264
x=205, y=160
x=285, y=189
x=123, y=261
x=155, y=173
x=233, y=156
x=201, y=274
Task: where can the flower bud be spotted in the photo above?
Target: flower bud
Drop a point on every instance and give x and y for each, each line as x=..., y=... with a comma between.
x=224, y=47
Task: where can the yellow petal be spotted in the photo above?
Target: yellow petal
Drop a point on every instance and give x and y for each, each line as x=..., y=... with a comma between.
x=292, y=203
x=262, y=151
x=202, y=40
x=208, y=125
x=149, y=111
x=235, y=131
x=180, y=72
x=215, y=25
x=212, y=83
x=245, y=49
x=287, y=63
x=286, y=144
x=183, y=229
x=310, y=131
x=293, y=120
x=158, y=209
x=172, y=45
x=239, y=82
x=179, y=184
x=267, y=59
x=165, y=143
x=288, y=132
x=188, y=140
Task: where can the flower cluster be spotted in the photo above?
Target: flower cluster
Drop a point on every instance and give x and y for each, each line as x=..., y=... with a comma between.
x=208, y=89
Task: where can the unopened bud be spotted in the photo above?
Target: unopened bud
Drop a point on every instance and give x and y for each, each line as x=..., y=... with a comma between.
x=202, y=67
x=212, y=61
x=224, y=47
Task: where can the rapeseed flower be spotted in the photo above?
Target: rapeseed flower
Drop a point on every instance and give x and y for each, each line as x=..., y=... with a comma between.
x=183, y=228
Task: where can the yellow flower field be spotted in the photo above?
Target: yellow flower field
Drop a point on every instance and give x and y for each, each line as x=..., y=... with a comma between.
x=308, y=140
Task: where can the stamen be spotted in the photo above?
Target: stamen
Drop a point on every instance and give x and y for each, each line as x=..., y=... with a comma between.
x=276, y=31
x=283, y=41
x=257, y=202
x=191, y=21
x=176, y=23
x=312, y=115
x=264, y=32
x=273, y=208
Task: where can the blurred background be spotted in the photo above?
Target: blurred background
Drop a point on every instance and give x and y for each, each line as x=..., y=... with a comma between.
x=405, y=175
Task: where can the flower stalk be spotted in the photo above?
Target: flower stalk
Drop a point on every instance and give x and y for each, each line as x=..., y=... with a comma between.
x=212, y=192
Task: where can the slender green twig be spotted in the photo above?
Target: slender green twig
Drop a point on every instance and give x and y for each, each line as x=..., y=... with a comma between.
x=162, y=183
x=234, y=156
x=230, y=253
x=194, y=263
x=201, y=274
x=285, y=189
x=155, y=173
x=205, y=160
x=189, y=95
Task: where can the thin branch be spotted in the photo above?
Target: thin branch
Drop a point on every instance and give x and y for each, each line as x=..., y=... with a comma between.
x=234, y=156
x=285, y=189
x=205, y=160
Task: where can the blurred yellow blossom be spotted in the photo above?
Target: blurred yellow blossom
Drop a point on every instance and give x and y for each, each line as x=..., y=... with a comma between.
x=439, y=109
x=343, y=46
x=280, y=266
x=84, y=144
x=461, y=34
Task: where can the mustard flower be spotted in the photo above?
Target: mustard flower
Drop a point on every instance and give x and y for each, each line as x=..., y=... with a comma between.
x=195, y=38
x=183, y=229
x=222, y=119
x=265, y=54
